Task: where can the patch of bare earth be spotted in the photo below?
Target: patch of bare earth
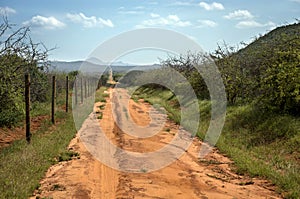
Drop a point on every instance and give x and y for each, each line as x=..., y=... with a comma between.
x=9, y=135
x=187, y=177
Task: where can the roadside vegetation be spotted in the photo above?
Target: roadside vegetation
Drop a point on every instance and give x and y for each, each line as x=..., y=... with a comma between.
x=262, y=127
x=19, y=55
x=261, y=145
x=23, y=165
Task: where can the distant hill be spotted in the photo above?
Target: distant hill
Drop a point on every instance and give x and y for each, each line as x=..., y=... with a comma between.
x=268, y=70
x=282, y=39
x=95, y=65
x=65, y=66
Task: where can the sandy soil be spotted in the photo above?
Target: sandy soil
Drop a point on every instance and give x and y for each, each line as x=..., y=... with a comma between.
x=9, y=135
x=187, y=177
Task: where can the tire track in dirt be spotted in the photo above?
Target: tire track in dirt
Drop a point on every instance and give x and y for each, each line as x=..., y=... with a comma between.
x=124, y=188
x=187, y=177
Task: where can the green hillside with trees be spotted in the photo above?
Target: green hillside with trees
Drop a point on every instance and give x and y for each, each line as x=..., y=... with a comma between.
x=267, y=70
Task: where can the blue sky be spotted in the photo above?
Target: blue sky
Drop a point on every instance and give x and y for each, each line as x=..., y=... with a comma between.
x=77, y=27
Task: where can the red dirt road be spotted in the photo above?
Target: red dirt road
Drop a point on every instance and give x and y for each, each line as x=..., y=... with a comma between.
x=187, y=177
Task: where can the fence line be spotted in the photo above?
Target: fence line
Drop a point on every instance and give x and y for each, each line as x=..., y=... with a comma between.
x=53, y=101
x=67, y=93
x=86, y=89
x=27, y=107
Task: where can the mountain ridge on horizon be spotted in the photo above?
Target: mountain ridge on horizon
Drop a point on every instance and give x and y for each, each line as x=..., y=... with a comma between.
x=94, y=64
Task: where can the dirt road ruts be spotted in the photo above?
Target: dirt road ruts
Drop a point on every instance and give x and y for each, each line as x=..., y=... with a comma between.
x=187, y=177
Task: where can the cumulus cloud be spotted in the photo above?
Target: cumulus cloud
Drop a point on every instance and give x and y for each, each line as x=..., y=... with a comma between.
x=133, y=11
x=7, y=11
x=130, y=12
x=44, y=22
x=153, y=15
x=212, y=6
x=182, y=3
x=207, y=23
x=254, y=24
x=170, y=20
x=89, y=22
x=246, y=20
x=239, y=14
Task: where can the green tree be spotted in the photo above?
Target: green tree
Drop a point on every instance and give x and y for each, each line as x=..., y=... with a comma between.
x=19, y=55
x=185, y=64
x=281, y=82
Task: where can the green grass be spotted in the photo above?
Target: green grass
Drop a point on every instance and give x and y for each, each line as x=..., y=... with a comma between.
x=260, y=143
x=167, y=129
x=135, y=98
x=264, y=144
x=100, y=115
x=67, y=155
x=23, y=165
x=160, y=97
x=40, y=109
x=126, y=113
x=101, y=107
x=57, y=187
x=100, y=95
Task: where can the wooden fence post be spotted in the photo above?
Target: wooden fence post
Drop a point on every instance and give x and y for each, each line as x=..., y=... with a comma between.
x=75, y=91
x=81, y=90
x=98, y=84
x=53, y=101
x=88, y=87
x=85, y=91
x=27, y=107
x=67, y=93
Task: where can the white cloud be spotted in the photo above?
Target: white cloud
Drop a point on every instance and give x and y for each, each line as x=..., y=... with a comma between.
x=44, y=22
x=130, y=12
x=174, y=18
x=254, y=24
x=89, y=22
x=182, y=3
x=139, y=7
x=239, y=14
x=207, y=23
x=297, y=1
x=7, y=11
x=153, y=15
x=246, y=20
x=170, y=20
x=134, y=11
x=212, y=6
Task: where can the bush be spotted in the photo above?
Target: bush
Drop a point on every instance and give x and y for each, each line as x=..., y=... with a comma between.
x=18, y=56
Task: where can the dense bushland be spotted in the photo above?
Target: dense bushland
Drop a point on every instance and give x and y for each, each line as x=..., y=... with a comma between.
x=20, y=55
x=267, y=71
